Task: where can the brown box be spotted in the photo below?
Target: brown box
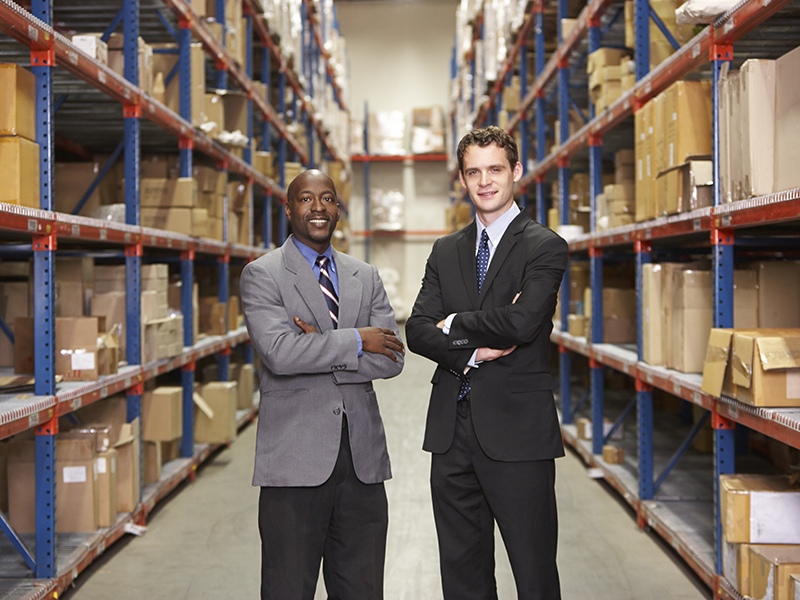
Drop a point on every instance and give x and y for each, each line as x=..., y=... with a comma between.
x=116, y=60
x=245, y=380
x=771, y=570
x=692, y=319
x=72, y=180
x=162, y=414
x=170, y=451
x=652, y=315
x=787, y=125
x=111, y=306
x=619, y=316
x=18, y=99
x=164, y=63
x=107, y=487
x=778, y=294
x=576, y=325
x=736, y=565
x=760, y=509
x=168, y=193
x=645, y=162
x=688, y=121
x=219, y=427
x=745, y=299
x=188, y=221
x=151, y=462
x=214, y=112
x=212, y=316
x=613, y=455
x=685, y=187
x=127, y=448
x=235, y=110
x=19, y=168
x=14, y=300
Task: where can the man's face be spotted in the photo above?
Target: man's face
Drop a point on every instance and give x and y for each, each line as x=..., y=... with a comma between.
x=312, y=209
x=489, y=179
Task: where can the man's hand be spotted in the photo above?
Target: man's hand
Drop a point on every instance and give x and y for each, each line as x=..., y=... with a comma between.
x=488, y=354
x=379, y=340
x=305, y=326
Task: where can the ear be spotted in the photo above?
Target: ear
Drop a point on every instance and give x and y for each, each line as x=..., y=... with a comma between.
x=517, y=172
x=287, y=210
x=461, y=179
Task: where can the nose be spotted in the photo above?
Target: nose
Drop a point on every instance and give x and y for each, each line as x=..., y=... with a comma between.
x=484, y=178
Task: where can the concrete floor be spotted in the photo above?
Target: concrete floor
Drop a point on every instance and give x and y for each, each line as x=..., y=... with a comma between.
x=203, y=543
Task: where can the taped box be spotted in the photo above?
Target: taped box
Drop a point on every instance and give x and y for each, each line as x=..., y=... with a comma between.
x=771, y=570
x=760, y=509
x=760, y=367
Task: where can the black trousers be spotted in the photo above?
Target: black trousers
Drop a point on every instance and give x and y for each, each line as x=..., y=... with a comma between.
x=342, y=523
x=470, y=492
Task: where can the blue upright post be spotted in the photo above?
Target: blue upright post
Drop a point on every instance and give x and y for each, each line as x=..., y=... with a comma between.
x=596, y=369
x=222, y=74
x=266, y=146
x=523, y=121
x=644, y=392
x=185, y=65
x=722, y=264
x=283, y=224
x=642, y=35
x=223, y=264
x=44, y=247
x=187, y=383
x=541, y=140
x=187, y=296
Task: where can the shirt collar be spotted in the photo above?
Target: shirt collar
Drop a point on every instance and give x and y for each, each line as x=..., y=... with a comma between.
x=311, y=255
x=496, y=230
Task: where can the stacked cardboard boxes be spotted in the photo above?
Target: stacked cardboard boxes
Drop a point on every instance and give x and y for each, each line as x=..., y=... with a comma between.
x=244, y=375
x=19, y=152
x=162, y=425
x=116, y=60
x=172, y=204
x=605, y=74
x=660, y=48
x=215, y=412
x=164, y=60
x=212, y=188
x=240, y=199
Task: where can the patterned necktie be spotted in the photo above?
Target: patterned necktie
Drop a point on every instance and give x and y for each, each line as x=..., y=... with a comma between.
x=326, y=284
x=482, y=263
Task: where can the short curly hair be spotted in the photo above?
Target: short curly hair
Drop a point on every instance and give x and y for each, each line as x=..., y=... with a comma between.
x=484, y=137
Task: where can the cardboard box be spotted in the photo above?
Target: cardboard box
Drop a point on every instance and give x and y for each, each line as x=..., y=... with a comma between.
x=787, y=124
x=151, y=462
x=794, y=592
x=18, y=99
x=164, y=63
x=692, y=319
x=736, y=565
x=107, y=488
x=212, y=316
x=168, y=193
x=214, y=115
x=111, y=413
x=93, y=45
x=613, y=455
x=128, y=461
x=745, y=299
x=619, y=316
x=685, y=187
x=778, y=294
x=771, y=570
x=688, y=121
x=576, y=325
x=652, y=315
x=111, y=306
x=603, y=57
x=585, y=429
x=760, y=509
x=109, y=278
x=757, y=84
x=187, y=221
x=14, y=303
x=116, y=60
x=235, y=110
x=162, y=414
x=162, y=338
x=19, y=166
x=645, y=162
x=170, y=451
x=246, y=381
x=219, y=427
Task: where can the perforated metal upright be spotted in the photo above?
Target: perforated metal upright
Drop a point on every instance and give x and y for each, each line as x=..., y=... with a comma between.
x=523, y=123
x=644, y=391
x=722, y=271
x=283, y=225
x=541, y=140
x=222, y=74
x=266, y=146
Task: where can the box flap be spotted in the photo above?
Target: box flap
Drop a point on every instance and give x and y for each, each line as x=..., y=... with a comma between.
x=719, y=343
x=202, y=405
x=779, y=353
x=742, y=359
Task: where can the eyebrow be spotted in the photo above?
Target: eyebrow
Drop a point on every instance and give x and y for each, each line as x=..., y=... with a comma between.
x=498, y=165
x=328, y=191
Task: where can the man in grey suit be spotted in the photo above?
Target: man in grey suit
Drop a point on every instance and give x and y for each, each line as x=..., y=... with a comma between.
x=323, y=328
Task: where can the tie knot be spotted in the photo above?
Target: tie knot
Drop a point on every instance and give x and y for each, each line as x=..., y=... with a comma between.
x=322, y=261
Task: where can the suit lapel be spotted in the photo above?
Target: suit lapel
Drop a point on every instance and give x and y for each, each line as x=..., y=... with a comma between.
x=349, y=290
x=306, y=284
x=507, y=242
x=466, y=260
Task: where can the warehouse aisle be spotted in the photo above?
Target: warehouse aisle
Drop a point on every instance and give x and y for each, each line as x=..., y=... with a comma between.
x=203, y=544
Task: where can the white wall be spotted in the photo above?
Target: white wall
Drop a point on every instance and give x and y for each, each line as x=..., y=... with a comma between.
x=400, y=59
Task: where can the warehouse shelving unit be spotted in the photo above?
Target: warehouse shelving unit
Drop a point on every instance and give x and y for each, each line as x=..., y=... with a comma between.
x=56, y=559
x=715, y=228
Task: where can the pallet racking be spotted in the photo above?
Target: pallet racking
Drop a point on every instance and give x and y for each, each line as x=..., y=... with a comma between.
x=31, y=38
x=755, y=28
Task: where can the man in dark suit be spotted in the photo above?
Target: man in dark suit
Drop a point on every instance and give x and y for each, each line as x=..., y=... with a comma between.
x=323, y=328
x=484, y=316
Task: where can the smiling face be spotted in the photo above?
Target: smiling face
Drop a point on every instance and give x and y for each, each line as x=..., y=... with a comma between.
x=489, y=178
x=312, y=209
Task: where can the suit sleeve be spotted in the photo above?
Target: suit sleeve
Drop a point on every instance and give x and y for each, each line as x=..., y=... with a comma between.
x=423, y=336
x=282, y=346
x=370, y=365
x=521, y=322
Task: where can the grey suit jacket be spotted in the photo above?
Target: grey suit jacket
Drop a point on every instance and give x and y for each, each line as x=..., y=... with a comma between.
x=308, y=380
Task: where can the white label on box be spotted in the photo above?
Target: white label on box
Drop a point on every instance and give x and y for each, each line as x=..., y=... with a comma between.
x=73, y=56
x=83, y=360
x=774, y=517
x=74, y=474
x=101, y=76
x=102, y=468
x=793, y=384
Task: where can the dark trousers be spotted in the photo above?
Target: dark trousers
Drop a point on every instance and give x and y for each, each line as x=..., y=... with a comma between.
x=342, y=523
x=471, y=492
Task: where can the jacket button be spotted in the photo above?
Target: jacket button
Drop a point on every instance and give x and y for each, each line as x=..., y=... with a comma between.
x=337, y=410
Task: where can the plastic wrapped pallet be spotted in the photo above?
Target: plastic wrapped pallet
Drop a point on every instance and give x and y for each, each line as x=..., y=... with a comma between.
x=388, y=210
x=387, y=133
x=702, y=11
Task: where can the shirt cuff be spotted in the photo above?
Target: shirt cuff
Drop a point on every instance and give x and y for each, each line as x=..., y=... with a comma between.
x=360, y=345
x=448, y=323
x=472, y=363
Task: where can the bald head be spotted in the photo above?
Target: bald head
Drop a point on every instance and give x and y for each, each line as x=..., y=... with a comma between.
x=306, y=178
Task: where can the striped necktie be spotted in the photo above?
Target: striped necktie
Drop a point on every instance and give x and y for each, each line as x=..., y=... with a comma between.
x=326, y=284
